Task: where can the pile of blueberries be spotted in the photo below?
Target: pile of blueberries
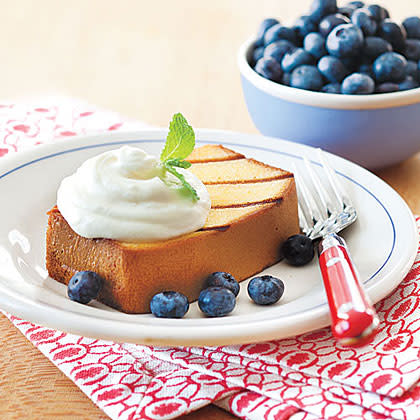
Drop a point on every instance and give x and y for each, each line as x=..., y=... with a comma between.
x=355, y=49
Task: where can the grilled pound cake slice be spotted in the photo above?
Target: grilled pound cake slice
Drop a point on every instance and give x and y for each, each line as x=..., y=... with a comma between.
x=254, y=210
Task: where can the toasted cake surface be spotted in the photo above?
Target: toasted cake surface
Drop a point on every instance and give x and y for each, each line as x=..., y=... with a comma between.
x=254, y=209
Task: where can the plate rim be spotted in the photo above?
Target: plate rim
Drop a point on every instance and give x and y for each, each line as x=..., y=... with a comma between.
x=47, y=315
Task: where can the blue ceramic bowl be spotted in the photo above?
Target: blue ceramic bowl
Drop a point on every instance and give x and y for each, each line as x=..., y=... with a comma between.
x=372, y=130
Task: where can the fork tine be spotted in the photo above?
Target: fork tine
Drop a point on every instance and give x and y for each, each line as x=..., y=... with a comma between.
x=335, y=184
x=312, y=218
x=324, y=206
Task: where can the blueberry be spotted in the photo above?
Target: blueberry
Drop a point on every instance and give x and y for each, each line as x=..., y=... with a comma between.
x=332, y=69
x=358, y=84
x=330, y=22
x=346, y=11
x=321, y=8
x=257, y=54
x=216, y=301
x=265, y=290
x=306, y=77
x=390, y=67
x=278, y=49
x=298, y=250
x=286, y=79
x=84, y=286
x=365, y=21
x=314, y=43
x=412, y=27
x=412, y=49
x=304, y=25
x=332, y=88
x=345, y=41
x=387, y=87
x=296, y=58
x=408, y=83
x=355, y=4
x=366, y=68
x=264, y=26
x=378, y=12
x=412, y=70
x=222, y=279
x=375, y=46
x=269, y=68
x=351, y=63
x=279, y=31
x=393, y=33
x=169, y=305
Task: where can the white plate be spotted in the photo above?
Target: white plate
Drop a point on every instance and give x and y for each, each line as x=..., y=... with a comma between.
x=383, y=243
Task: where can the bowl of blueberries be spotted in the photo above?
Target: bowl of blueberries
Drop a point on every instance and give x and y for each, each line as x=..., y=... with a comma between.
x=346, y=79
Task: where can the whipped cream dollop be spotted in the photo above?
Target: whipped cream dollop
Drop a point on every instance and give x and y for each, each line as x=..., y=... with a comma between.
x=119, y=195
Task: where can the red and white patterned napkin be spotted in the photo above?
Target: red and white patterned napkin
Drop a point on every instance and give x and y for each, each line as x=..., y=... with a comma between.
x=306, y=377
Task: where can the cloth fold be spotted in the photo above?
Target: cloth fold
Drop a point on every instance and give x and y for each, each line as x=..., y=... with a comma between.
x=306, y=377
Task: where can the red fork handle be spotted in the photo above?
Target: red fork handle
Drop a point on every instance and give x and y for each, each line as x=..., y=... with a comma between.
x=354, y=321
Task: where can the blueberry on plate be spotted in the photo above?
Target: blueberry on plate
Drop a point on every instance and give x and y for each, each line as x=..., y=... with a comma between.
x=265, y=290
x=332, y=69
x=412, y=70
x=379, y=13
x=216, y=301
x=279, y=31
x=278, y=49
x=358, y=84
x=393, y=33
x=222, y=279
x=331, y=88
x=390, y=67
x=412, y=27
x=345, y=41
x=387, y=87
x=321, y=8
x=375, y=46
x=314, y=43
x=269, y=68
x=363, y=19
x=84, y=286
x=306, y=77
x=264, y=26
x=169, y=305
x=298, y=250
x=408, y=83
x=412, y=49
x=296, y=58
x=328, y=23
x=304, y=25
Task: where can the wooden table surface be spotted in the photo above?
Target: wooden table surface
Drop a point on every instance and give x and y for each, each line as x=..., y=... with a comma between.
x=145, y=59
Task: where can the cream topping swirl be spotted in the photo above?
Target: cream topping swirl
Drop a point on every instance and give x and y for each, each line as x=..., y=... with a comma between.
x=119, y=195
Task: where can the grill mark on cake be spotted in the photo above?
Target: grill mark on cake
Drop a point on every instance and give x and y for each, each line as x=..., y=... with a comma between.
x=220, y=159
x=249, y=203
x=250, y=181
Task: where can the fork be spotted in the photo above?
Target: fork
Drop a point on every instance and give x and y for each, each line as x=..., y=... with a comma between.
x=322, y=214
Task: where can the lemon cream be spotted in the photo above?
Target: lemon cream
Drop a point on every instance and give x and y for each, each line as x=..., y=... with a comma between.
x=120, y=195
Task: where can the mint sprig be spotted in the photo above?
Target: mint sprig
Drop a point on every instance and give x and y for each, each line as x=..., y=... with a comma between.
x=179, y=144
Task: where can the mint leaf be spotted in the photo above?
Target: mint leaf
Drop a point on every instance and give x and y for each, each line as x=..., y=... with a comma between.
x=186, y=188
x=178, y=163
x=179, y=144
x=180, y=141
